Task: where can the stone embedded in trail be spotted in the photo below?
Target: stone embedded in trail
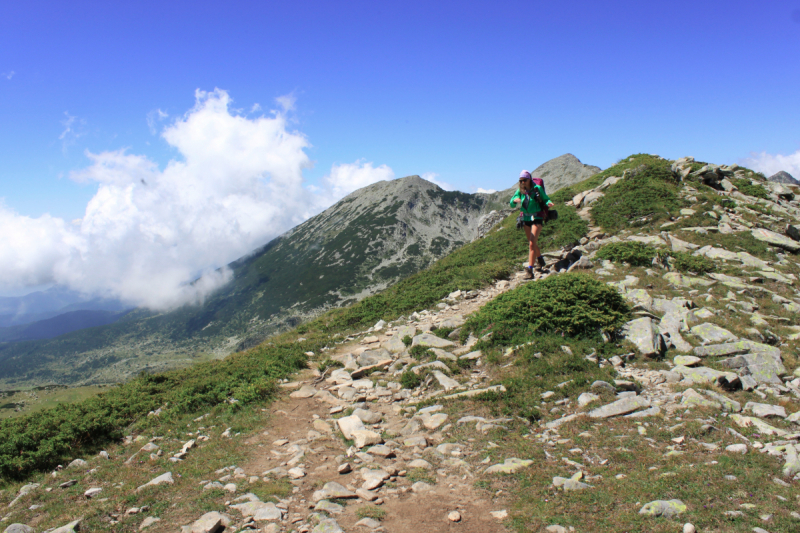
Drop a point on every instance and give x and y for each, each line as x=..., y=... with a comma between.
x=327, y=525
x=455, y=321
x=306, y=391
x=160, y=480
x=711, y=334
x=433, y=422
x=432, y=341
x=665, y=508
x=368, y=417
x=328, y=507
x=259, y=510
x=331, y=491
x=765, y=410
x=394, y=345
x=620, y=407
x=348, y=424
x=369, y=523
x=775, y=239
x=209, y=523
x=365, y=437
x=446, y=382
x=644, y=334
x=374, y=357
x=420, y=487
x=509, y=466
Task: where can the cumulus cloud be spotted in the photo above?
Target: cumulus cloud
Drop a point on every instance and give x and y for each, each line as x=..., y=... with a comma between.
x=346, y=178
x=8, y=75
x=149, y=231
x=434, y=178
x=481, y=190
x=769, y=164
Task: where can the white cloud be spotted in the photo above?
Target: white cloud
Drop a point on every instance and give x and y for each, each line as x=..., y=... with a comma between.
x=346, y=178
x=434, y=178
x=287, y=102
x=481, y=190
x=72, y=130
x=769, y=164
x=149, y=231
x=8, y=75
x=153, y=118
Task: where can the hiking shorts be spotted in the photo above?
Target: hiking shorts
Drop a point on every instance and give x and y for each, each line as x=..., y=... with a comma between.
x=530, y=223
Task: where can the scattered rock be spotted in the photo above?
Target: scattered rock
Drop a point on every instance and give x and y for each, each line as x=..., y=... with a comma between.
x=665, y=508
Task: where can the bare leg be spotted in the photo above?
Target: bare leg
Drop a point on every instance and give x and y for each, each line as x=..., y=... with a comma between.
x=531, y=246
x=534, y=243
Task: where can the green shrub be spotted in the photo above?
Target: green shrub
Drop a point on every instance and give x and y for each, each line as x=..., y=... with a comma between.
x=567, y=230
x=329, y=363
x=409, y=380
x=686, y=262
x=570, y=304
x=407, y=340
x=420, y=352
x=645, y=198
x=631, y=252
x=745, y=186
x=44, y=439
x=442, y=333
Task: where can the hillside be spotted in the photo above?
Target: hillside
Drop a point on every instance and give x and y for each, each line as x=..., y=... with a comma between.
x=647, y=380
x=362, y=244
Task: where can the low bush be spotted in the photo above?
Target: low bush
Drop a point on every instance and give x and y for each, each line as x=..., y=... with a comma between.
x=442, y=333
x=631, y=252
x=420, y=352
x=410, y=380
x=646, y=198
x=570, y=304
x=407, y=340
x=44, y=439
x=329, y=363
x=686, y=262
x=747, y=187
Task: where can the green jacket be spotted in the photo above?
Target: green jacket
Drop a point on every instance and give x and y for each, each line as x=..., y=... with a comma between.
x=533, y=210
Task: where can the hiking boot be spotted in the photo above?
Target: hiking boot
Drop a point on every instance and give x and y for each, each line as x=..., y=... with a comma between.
x=540, y=260
x=528, y=274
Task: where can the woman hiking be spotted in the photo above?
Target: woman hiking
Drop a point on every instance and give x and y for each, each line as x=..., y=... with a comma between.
x=531, y=200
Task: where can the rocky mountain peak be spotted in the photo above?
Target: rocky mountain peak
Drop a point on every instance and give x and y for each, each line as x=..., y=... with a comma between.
x=784, y=177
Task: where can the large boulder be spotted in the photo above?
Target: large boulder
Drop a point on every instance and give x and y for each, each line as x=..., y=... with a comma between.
x=620, y=407
x=763, y=367
x=644, y=334
x=776, y=239
x=429, y=340
x=711, y=334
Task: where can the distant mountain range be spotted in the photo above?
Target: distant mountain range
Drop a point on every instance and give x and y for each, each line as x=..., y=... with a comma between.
x=41, y=305
x=364, y=243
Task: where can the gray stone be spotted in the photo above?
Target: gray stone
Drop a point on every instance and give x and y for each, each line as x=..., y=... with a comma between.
x=421, y=487
x=665, y=508
x=763, y=368
x=332, y=490
x=447, y=383
x=78, y=463
x=764, y=410
x=394, y=344
x=72, y=527
x=208, y=523
x=603, y=386
x=373, y=357
x=736, y=448
x=348, y=424
x=365, y=437
x=160, y=480
x=329, y=507
x=327, y=525
x=686, y=360
x=711, y=334
x=732, y=406
x=701, y=374
x=620, y=407
x=569, y=484
x=644, y=334
x=306, y=391
x=19, y=528
x=259, y=510
x=147, y=522
x=455, y=321
x=430, y=340
x=586, y=398
x=691, y=398
x=775, y=239
x=368, y=417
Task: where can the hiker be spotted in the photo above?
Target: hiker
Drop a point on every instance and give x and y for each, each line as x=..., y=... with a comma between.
x=532, y=202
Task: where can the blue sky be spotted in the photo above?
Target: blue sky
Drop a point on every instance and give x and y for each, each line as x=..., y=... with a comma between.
x=469, y=91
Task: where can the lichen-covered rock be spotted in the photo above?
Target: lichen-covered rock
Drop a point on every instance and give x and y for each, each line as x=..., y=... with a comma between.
x=702, y=374
x=691, y=398
x=429, y=340
x=665, y=508
x=711, y=334
x=644, y=334
x=775, y=239
x=509, y=466
x=331, y=491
